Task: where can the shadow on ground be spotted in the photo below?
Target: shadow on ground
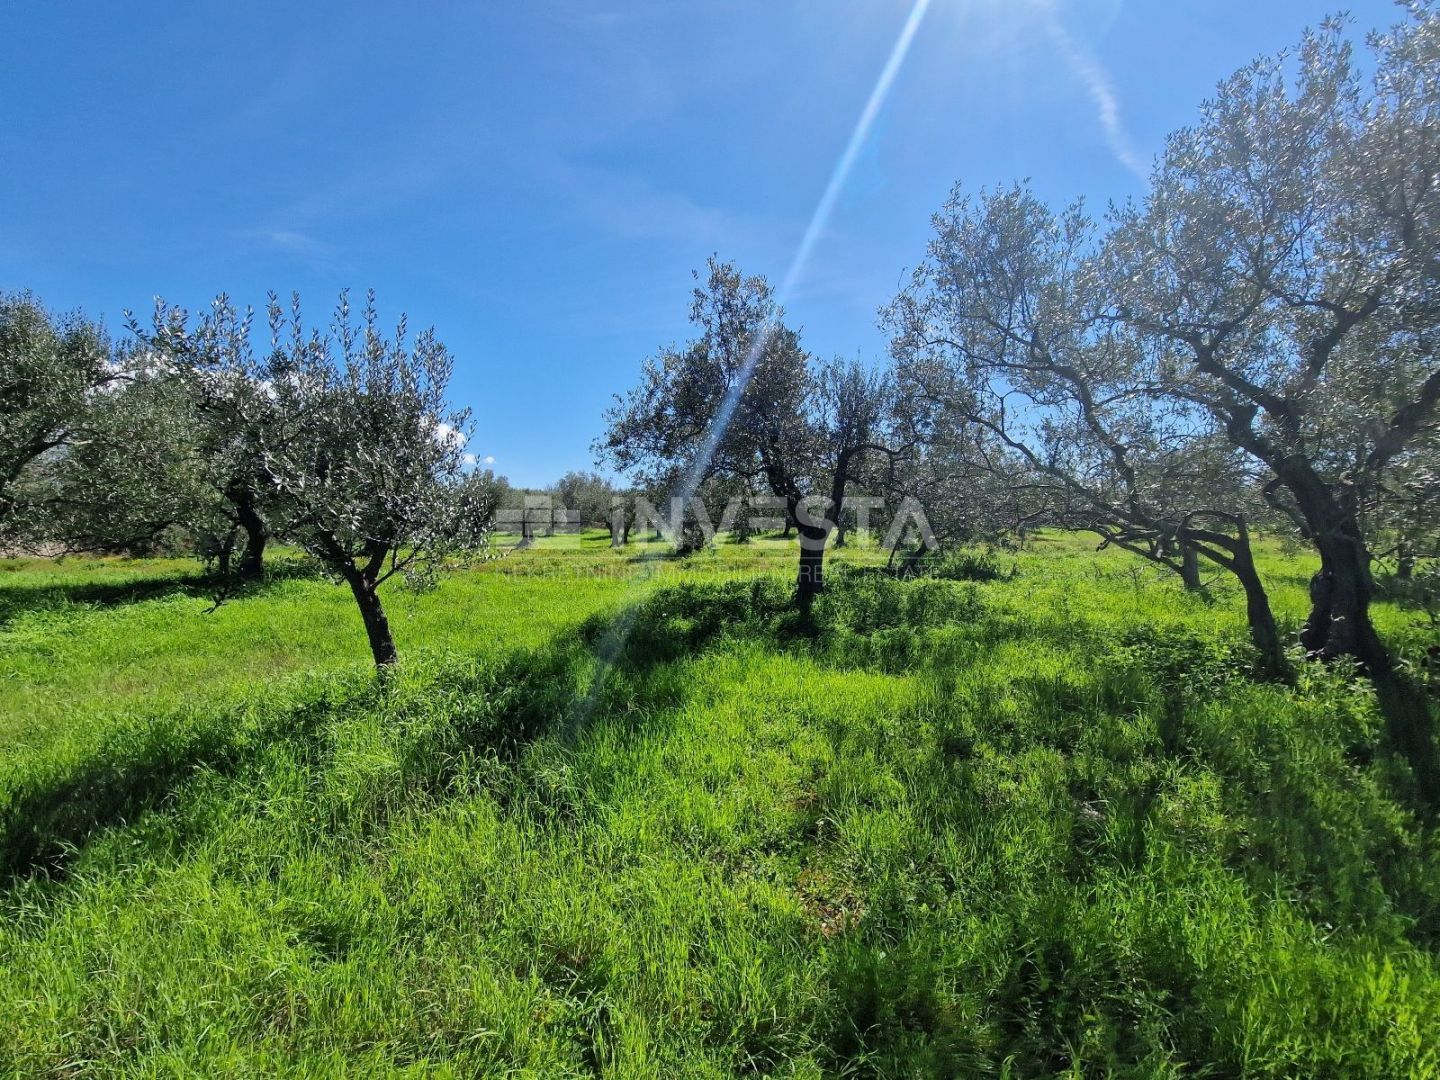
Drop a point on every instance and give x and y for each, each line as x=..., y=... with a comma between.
x=19, y=600
x=51, y=807
x=989, y=871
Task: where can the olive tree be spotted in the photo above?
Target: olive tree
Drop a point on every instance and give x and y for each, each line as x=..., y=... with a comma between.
x=1005, y=328
x=973, y=488
x=360, y=450
x=486, y=491
x=586, y=498
x=51, y=367
x=136, y=477
x=1286, y=262
x=227, y=395
x=745, y=401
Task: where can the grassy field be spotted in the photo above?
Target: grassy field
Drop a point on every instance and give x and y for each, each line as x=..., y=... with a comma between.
x=614, y=817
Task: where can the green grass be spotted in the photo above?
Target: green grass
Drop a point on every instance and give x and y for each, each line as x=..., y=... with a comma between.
x=615, y=817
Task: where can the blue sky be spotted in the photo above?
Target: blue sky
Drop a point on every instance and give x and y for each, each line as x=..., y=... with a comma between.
x=538, y=179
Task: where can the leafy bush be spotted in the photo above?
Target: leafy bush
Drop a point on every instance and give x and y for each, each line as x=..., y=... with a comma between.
x=692, y=540
x=866, y=603
x=964, y=565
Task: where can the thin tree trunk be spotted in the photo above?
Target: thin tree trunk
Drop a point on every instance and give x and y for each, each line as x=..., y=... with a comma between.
x=912, y=561
x=1236, y=555
x=377, y=626
x=1263, y=632
x=1405, y=561
x=223, y=551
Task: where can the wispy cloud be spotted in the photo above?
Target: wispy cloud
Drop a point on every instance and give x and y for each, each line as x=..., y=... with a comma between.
x=1096, y=80
x=297, y=244
x=587, y=15
x=584, y=17
x=630, y=206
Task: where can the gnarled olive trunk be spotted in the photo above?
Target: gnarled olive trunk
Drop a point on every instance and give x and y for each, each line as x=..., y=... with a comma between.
x=1190, y=568
x=252, y=564
x=1340, y=625
x=619, y=525
x=257, y=532
x=810, y=581
x=1340, y=595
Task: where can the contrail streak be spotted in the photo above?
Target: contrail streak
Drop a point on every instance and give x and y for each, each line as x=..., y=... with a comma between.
x=1097, y=83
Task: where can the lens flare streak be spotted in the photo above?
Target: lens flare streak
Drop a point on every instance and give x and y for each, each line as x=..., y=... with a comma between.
x=824, y=210
x=620, y=631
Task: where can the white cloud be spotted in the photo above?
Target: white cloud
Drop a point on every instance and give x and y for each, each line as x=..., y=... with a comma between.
x=470, y=461
x=448, y=435
x=628, y=205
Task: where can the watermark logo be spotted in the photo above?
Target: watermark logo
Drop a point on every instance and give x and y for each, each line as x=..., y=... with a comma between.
x=686, y=524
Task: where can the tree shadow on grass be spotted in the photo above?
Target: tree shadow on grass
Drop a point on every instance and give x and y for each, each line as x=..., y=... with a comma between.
x=20, y=600
x=49, y=814
x=51, y=808
x=889, y=1003
x=629, y=667
x=1411, y=720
